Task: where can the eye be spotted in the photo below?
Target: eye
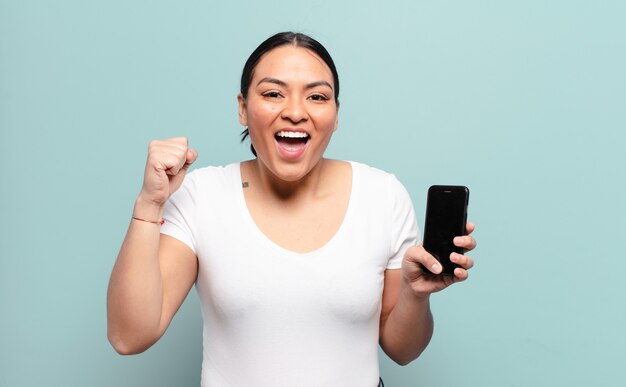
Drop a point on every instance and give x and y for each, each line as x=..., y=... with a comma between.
x=318, y=97
x=272, y=94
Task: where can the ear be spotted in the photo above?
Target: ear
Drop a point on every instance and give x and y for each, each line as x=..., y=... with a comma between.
x=243, y=113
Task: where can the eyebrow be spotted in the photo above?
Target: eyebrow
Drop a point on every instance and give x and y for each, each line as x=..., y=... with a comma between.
x=284, y=84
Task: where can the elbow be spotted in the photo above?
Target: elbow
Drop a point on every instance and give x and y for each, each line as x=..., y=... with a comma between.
x=407, y=360
x=131, y=339
x=399, y=357
x=121, y=347
x=403, y=354
x=124, y=346
x=403, y=361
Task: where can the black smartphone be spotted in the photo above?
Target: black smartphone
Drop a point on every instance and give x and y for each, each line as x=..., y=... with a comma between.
x=446, y=217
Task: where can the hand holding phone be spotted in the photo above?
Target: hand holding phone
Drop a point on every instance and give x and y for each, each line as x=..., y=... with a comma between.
x=446, y=218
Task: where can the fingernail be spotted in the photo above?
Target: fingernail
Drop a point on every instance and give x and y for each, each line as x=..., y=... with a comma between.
x=454, y=257
x=435, y=268
x=458, y=239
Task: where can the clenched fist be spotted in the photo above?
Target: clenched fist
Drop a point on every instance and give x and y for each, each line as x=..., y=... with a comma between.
x=168, y=160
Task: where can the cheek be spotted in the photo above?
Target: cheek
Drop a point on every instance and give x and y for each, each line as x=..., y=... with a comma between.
x=260, y=120
x=263, y=114
x=325, y=120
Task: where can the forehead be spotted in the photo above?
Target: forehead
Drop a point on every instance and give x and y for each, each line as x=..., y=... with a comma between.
x=292, y=63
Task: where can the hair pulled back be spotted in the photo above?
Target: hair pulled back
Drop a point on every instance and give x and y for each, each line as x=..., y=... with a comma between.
x=281, y=39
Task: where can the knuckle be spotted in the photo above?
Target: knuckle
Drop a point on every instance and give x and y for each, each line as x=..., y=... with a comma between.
x=412, y=251
x=181, y=155
x=181, y=146
x=180, y=140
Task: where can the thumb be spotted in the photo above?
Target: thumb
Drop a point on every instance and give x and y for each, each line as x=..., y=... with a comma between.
x=190, y=158
x=177, y=179
x=428, y=261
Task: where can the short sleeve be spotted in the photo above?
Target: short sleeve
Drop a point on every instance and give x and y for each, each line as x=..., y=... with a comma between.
x=179, y=213
x=404, y=231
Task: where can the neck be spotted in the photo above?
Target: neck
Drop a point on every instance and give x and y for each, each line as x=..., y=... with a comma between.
x=287, y=191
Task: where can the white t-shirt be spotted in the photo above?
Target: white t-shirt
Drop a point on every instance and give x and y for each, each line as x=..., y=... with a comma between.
x=274, y=317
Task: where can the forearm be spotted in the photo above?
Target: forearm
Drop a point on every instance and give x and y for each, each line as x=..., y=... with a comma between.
x=409, y=327
x=135, y=295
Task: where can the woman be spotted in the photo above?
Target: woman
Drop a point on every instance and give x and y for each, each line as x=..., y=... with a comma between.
x=303, y=264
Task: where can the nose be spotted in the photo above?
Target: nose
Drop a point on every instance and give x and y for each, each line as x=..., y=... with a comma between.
x=294, y=110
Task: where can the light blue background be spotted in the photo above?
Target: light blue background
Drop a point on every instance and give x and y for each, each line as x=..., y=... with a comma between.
x=523, y=101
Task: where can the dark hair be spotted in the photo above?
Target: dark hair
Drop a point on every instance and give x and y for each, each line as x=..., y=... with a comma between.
x=281, y=39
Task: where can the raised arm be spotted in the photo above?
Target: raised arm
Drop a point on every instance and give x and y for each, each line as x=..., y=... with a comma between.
x=153, y=272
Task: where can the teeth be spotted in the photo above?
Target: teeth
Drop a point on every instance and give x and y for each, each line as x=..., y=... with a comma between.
x=284, y=133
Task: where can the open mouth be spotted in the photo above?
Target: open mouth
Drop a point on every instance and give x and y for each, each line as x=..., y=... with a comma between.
x=291, y=140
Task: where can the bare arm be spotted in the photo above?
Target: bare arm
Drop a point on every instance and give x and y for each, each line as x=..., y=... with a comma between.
x=406, y=322
x=153, y=272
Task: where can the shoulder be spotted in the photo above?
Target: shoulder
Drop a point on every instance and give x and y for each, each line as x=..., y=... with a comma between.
x=213, y=172
x=207, y=181
x=381, y=187
x=376, y=177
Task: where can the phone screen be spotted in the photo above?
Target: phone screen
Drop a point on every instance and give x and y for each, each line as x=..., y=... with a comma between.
x=446, y=216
